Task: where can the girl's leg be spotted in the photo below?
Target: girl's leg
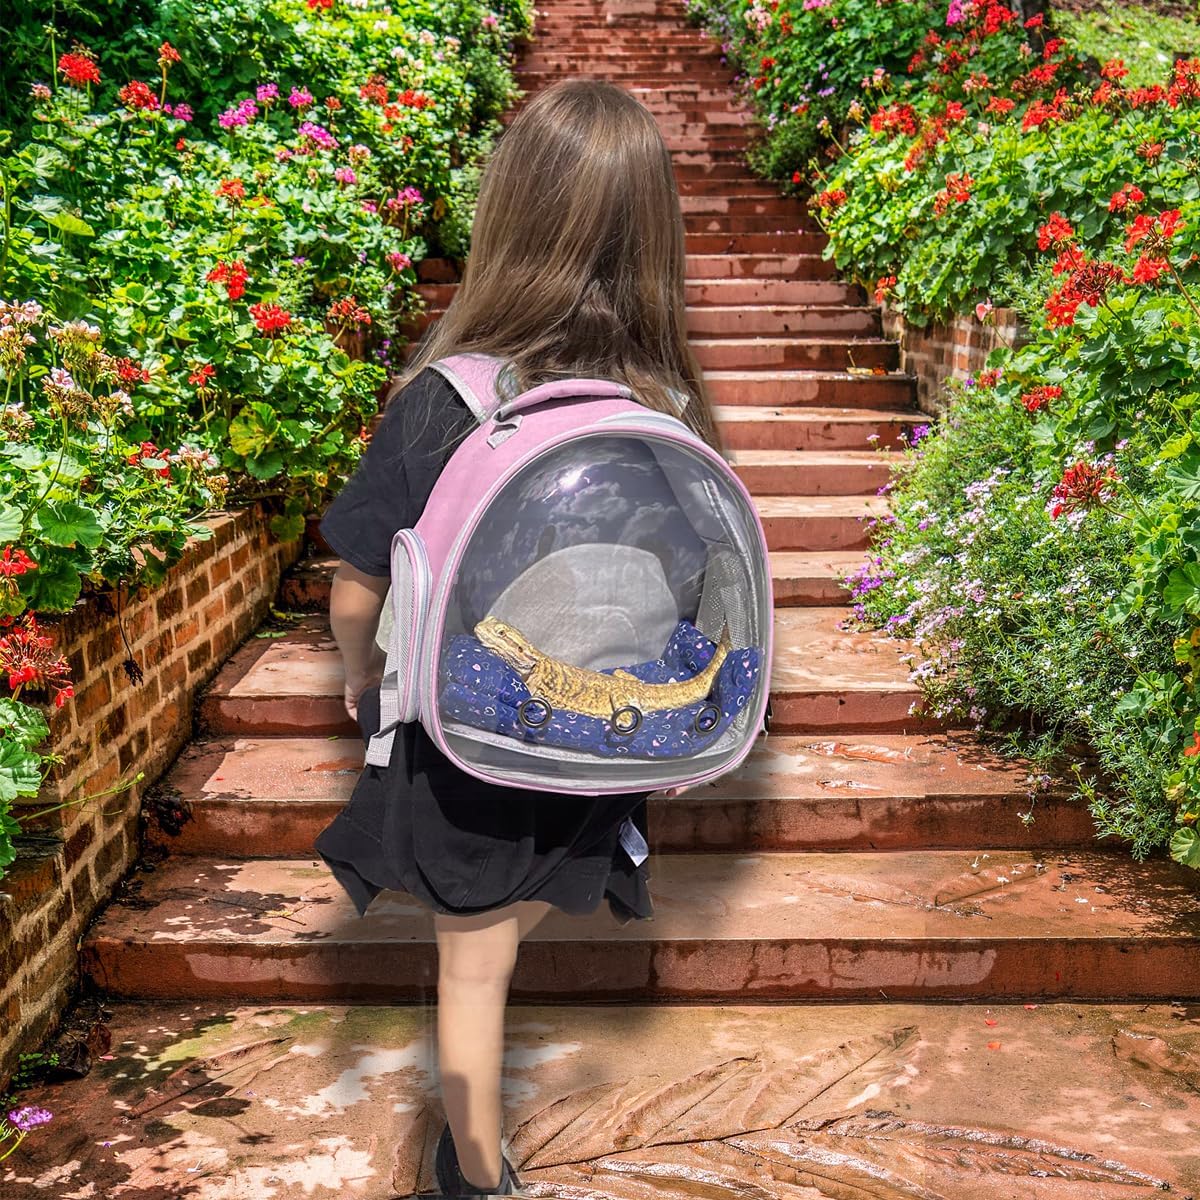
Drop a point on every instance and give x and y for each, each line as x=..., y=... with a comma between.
x=476, y=957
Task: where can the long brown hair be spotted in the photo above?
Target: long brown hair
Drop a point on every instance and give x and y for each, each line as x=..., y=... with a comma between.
x=577, y=255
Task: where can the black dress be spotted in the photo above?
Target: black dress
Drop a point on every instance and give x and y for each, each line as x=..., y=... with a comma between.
x=420, y=825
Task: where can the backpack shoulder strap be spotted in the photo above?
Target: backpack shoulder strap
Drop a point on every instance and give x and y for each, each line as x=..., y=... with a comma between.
x=473, y=377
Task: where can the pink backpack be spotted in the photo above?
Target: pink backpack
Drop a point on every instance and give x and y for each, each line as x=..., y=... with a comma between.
x=585, y=603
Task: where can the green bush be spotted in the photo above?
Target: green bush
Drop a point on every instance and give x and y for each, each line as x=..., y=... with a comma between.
x=198, y=265
x=1043, y=546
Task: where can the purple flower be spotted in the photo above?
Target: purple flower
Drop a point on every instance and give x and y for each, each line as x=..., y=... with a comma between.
x=955, y=13
x=266, y=92
x=181, y=112
x=318, y=135
x=345, y=175
x=300, y=98
x=242, y=114
x=28, y=1118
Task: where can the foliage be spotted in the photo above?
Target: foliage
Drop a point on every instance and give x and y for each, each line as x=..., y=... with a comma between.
x=196, y=261
x=1043, y=548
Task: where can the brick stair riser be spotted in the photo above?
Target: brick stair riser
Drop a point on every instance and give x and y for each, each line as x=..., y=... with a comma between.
x=688, y=824
x=790, y=241
x=802, y=267
x=781, y=320
x=829, y=435
x=797, y=392
x=725, y=292
x=739, y=322
x=826, y=479
x=792, y=354
x=831, y=967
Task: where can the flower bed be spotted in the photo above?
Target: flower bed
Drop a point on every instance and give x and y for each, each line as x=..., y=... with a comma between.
x=187, y=257
x=1042, y=549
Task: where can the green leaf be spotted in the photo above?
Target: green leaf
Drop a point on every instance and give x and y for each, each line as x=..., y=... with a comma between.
x=265, y=466
x=1185, y=847
x=253, y=429
x=54, y=586
x=10, y=524
x=65, y=523
x=288, y=527
x=22, y=721
x=69, y=223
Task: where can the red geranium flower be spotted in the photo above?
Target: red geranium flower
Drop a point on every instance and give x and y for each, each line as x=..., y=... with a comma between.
x=1083, y=485
x=270, y=318
x=14, y=561
x=138, y=96
x=1000, y=105
x=167, y=54
x=151, y=451
x=233, y=275
x=79, y=67
x=883, y=286
x=1125, y=196
x=27, y=657
x=1039, y=397
x=1148, y=269
x=1056, y=231
x=1060, y=307
x=201, y=375
x=233, y=190
x=1194, y=748
x=1115, y=69
x=1156, y=232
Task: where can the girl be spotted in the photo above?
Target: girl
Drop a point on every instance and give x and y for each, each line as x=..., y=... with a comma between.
x=576, y=269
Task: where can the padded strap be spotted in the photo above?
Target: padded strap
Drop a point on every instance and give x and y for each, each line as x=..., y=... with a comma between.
x=473, y=377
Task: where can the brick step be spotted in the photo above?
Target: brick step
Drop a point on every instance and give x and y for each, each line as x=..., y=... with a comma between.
x=760, y=266
x=823, y=679
x=756, y=244
x=920, y=925
x=711, y=74
x=794, y=353
x=723, y=292
x=759, y=203
x=690, y=184
x=799, y=577
x=735, y=223
x=700, y=158
x=643, y=66
x=804, y=474
x=270, y=797
x=747, y=427
x=716, y=142
x=818, y=522
x=780, y=389
x=728, y=294
x=741, y=320
x=811, y=578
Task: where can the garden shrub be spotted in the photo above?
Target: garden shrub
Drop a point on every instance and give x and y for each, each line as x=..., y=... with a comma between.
x=202, y=272
x=1043, y=546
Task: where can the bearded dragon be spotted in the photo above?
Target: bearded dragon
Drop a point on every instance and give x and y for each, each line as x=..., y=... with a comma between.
x=593, y=693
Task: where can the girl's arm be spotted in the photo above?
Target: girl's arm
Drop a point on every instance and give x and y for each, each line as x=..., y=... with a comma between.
x=355, y=603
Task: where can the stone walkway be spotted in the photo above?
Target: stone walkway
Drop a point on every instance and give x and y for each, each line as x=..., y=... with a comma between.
x=1011, y=1010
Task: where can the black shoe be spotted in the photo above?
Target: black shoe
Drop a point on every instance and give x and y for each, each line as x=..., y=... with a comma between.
x=453, y=1182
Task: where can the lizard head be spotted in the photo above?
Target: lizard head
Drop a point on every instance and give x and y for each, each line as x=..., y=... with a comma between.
x=508, y=643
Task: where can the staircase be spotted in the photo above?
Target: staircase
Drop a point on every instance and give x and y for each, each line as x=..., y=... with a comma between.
x=863, y=856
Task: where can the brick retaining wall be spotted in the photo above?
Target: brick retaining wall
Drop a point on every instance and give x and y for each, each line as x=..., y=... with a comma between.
x=951, y=350
x=179, y=633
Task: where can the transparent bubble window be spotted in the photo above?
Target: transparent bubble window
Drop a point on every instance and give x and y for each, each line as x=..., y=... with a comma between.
x=606, y=624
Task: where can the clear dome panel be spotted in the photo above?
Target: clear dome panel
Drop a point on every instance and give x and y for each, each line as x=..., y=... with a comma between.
x=605, y=627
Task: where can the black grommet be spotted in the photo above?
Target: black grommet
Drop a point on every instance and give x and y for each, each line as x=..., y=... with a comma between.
x=524, y=717
x=707, y=718
x=635, y=712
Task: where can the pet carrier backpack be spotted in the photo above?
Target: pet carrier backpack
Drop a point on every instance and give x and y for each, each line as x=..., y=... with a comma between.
x=584, y=605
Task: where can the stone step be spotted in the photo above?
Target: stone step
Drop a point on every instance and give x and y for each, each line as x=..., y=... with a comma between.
x=896, y=1101
x=729, y=321
x=812, y=577
x=829, y=522
x=760, y=266
x=799, y=577
x=735, y=224
x=791, y=241
x=781, y=295
x=805, y=474
x=742, y=320
x=901, y=925
x=794, y=353
x=785, y=389
x=823, y=678
x=740, y=206
x=746, y=427
x=723, y=292
x=270, y=797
